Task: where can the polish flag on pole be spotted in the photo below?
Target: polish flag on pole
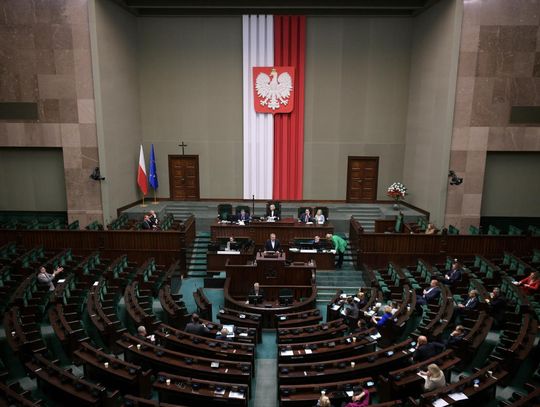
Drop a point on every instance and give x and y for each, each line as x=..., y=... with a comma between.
x=142, y=180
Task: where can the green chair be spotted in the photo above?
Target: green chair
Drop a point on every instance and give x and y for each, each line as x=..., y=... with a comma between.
x=452, y=230
x=493, y=231
x=224, y=211
x=514, y=231
x=244, y=207
x=473, y=230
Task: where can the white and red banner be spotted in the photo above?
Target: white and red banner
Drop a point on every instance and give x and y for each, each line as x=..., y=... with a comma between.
x=273, y=89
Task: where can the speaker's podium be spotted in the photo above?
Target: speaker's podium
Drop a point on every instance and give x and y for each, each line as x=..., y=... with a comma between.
x=275, y=276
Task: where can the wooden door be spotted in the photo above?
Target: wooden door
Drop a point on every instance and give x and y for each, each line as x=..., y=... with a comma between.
x=184, y=177
x=362, y=173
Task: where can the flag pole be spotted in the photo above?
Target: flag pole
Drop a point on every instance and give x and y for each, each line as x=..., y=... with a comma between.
x=143, y=205
x=155, y=198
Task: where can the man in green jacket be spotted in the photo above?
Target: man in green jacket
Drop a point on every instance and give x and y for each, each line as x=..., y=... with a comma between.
x=339, y=245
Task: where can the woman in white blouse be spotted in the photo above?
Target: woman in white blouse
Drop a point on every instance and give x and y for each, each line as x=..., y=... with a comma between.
x=433, y=378
x=319, y=217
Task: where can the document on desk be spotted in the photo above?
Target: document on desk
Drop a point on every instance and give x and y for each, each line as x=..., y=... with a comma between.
x=287, y=353
x=219, y=392
x=308, y=351
x=335, y=307
x=228, y=252
x=236, y=395
x=376, y=336
x=458, y=396
x=439, y=403
x=308, y=251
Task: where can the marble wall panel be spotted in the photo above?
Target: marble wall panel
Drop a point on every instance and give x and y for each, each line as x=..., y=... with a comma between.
x=45, y=58
x=500, y=64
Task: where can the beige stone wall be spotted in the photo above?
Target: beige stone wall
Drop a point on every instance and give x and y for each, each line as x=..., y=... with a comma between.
x=432, y=83
x=500, y=44
x=357, y=80
x=116, y=78
x=46, y=59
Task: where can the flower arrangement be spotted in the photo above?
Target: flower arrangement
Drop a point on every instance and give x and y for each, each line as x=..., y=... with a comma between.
x=397, y=191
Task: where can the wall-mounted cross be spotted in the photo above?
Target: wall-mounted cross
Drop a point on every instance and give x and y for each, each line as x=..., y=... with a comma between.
x=183, y=145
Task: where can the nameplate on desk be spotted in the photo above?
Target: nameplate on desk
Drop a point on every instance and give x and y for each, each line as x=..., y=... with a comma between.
x=440, y=403
x=294, y=249
x=63, y=280
x=287, y=353
x=308, y=251
x=228, y=252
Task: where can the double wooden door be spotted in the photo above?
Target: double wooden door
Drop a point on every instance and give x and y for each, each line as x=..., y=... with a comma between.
x=362, y=173
x=184, y=177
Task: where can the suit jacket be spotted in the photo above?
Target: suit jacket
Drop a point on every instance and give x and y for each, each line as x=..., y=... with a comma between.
x=268, y=246
x=277, y=213
x=146, y=225
x=454, y=276
x=497, y=308
x=433, y=294
x=472, y=303
x=427, y=351
x=306, y=218
x=246, y=217
x=261, y=292
x=454, y=341
x=197, y=329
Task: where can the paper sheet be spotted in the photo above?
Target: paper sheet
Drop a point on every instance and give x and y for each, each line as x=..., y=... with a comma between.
x=458, y=396
x=439, y=403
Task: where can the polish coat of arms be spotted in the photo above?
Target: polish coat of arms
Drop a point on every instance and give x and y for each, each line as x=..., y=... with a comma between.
x=274, y=89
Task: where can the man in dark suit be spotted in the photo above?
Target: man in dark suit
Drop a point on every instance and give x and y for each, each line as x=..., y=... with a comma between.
x=453, y=276
x=272, y=212
x=272, y=244
x=456, y=337
x=306, y=216
x=243, y=216
x=256, y=291
x=146, y=224
x=430, y=294
x=195, y=327
x=319, y=244
x=497, y=307
x=472, y=302
x=425, y=350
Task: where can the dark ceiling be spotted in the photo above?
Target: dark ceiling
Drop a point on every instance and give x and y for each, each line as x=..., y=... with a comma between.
x=402, y=8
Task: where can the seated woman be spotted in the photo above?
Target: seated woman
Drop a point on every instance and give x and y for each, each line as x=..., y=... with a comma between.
x=433, y=378
x=324, y=401
x=431, y=229
x=359, y=399
x=385, y=319
x=319, y=217
x=530, y=285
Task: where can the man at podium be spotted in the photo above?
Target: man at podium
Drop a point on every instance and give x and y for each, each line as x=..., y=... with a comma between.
x=272, y=244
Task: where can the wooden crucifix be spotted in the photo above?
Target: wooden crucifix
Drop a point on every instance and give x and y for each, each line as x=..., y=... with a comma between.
x=183, y=145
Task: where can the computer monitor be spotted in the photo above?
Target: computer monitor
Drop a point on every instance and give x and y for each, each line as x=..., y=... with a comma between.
x=234, y=246
x=255, y=299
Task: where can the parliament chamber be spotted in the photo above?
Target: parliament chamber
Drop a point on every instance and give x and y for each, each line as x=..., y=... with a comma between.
x=256, y=203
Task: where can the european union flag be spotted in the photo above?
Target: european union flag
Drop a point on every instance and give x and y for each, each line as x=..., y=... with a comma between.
x=152, y=177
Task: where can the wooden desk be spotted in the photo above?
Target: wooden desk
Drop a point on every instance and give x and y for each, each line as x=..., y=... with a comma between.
x=324, y=261
x=286, y=230
x=268, y=271
x=269, y=309
x=216, y=260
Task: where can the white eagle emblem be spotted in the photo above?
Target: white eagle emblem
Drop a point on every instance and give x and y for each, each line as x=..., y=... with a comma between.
x=274, y=91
